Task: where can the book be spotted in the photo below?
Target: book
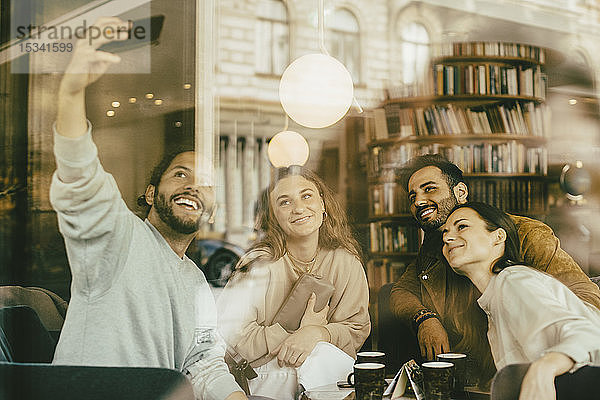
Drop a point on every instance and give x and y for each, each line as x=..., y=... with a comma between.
x=381, y=128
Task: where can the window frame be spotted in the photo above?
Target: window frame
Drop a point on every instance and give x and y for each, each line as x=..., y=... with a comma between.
x=261, y=48
x=356, y=73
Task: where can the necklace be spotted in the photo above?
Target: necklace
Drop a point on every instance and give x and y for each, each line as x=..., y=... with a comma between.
x=308, y=265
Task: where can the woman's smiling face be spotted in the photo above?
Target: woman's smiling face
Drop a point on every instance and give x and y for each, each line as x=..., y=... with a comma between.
x=467, y=240
x=298, y=206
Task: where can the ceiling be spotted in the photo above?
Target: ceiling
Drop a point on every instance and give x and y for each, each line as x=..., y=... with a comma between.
x=172, y=60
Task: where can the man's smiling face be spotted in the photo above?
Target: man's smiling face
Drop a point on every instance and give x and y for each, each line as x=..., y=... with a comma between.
x=430, y=197
x=179, y=200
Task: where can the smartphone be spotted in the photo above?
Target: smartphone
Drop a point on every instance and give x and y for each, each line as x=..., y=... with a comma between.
x=344, y=384
x=141, y=32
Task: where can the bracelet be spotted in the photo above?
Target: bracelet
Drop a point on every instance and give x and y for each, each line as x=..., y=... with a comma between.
x=419, y=313
x=422, y=316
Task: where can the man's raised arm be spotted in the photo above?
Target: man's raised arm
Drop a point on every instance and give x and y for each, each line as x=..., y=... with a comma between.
x=86, y=66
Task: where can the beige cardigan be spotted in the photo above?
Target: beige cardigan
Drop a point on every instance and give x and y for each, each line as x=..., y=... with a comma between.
x=250, y=300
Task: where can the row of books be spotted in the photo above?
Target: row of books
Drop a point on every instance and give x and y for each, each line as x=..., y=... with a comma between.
x=384, y=162
x=383, y=271
x=514, y=195
x=392, y=237
x=517, y=118
x=387, y=199
x=489, y=79
x=489, y=49
x=509, y=157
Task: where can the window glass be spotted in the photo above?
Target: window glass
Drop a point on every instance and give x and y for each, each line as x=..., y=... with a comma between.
x=272, y=38
x=343, y=39
x=415, y=52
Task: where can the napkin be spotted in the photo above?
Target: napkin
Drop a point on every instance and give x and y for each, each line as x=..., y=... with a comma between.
x=325, y=365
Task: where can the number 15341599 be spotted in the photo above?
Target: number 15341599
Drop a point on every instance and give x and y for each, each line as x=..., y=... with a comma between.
x=51, y=47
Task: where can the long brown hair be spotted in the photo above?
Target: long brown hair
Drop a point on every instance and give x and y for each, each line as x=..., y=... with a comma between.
x=462, y=309
x=464, y=319
x=334, y=232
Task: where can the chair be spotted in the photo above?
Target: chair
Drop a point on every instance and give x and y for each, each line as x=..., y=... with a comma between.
x=50, y=308
x=395, y=339
x=24, y=337
x=581, y=385
x=58, y=382
x=31, y=319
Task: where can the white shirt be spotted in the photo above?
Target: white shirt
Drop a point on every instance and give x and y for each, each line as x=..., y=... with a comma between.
x=531, y=313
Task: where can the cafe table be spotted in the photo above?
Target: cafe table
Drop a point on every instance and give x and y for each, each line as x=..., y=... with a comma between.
x=332, y=392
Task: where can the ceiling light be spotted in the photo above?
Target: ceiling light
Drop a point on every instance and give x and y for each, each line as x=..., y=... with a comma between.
x=132, y=100
x=149, y=96
x=572, y=102
x=178, y=124
x=288, y=148
x=158, y=102
x=110, y=113
x=187, y=86
x=116, y=104
x=316, y=90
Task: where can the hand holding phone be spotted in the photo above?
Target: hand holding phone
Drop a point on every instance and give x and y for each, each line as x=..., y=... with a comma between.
x=141, y=32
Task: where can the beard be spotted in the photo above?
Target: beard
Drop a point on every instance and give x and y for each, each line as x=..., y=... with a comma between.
x=165, y=212
x=443, y=209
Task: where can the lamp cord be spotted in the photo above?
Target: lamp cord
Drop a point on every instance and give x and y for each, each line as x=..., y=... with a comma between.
x=324, y=49
x=322, y=28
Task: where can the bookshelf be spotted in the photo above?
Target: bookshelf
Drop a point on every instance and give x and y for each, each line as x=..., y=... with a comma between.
x=483, y=108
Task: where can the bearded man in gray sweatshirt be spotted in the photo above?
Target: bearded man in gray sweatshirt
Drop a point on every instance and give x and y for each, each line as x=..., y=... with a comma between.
x=136, y=299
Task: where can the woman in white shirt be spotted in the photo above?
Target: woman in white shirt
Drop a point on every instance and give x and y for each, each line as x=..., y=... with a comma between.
x=532, y=317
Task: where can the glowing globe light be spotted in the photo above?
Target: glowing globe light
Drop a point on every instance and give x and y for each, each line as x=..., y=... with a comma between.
x=316, y=90
x=287, y=148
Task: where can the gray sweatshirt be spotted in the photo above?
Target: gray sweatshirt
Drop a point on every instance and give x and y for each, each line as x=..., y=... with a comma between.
x=134, y=302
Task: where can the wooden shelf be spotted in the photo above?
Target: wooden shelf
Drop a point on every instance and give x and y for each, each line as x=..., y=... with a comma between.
x=392, y=255
x=490, y=175
x=475, y=99
x=390, y=217
x=487, y=60
x=503, y=175
x=460, y=138
x=533, y=213
x=516, y=120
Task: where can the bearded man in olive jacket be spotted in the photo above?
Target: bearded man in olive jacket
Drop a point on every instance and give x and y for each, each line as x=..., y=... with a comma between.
x=440, y=305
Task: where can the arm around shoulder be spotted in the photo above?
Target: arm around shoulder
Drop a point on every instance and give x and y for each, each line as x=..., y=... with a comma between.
x=540, y=249
x=541, y=318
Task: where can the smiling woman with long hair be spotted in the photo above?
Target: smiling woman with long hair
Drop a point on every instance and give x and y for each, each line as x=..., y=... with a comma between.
x=303, y=230
x=532, y=317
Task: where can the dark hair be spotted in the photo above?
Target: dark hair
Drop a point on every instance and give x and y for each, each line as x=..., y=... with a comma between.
x=495, y=218
x=451, y=172
x=334, y=232
x=157, y=173
x=462, y=312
